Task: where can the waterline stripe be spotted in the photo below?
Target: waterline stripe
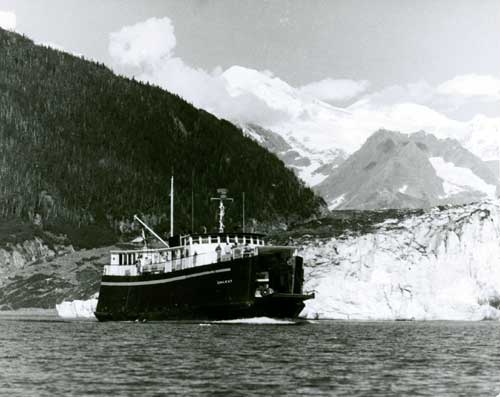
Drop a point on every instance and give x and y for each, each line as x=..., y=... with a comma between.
x=166, y=280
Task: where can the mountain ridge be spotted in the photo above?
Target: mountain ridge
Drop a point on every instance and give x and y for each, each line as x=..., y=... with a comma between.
x=394, y=170
x=82, y=146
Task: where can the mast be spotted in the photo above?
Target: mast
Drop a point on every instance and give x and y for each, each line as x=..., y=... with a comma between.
x=172, y=205
x=222, y=197
x=243, y=212
x=192, y=201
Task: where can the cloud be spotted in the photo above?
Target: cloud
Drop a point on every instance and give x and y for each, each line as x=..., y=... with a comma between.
x=460, y=97
x=8, y=20
x=147, y=51
x=335, y=90
x=144, y=44
x=472, y=85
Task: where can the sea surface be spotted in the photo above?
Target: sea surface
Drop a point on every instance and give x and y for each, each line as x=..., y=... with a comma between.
x=41, y=355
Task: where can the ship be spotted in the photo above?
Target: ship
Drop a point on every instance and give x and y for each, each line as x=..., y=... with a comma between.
x=208, y=276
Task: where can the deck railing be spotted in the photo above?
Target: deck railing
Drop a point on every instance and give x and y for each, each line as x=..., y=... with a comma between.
x=138, y=262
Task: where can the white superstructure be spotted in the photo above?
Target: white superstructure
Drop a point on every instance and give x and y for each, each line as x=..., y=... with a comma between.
x=193, y=250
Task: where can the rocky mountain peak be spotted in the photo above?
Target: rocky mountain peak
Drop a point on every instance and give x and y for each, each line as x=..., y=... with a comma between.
x=395, y=170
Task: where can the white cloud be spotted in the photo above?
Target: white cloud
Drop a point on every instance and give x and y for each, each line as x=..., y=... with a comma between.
x=8, y=20
x=147, y=51
x=335, y=89
x=472, y=85
x=143, y=44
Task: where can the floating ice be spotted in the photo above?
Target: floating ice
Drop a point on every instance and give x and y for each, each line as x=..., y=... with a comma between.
x=77, y=309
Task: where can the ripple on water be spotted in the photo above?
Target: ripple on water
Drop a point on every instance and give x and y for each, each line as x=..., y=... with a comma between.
x=321, y=358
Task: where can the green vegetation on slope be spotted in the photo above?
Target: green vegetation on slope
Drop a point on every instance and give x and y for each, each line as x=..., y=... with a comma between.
x=82, y=146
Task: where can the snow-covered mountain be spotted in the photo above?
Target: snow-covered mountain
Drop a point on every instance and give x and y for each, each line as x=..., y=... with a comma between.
x=289, y=122
x=284, y=109
x=394, y=170
x=482, y=138
x=311, y=165
x=443, y=264
x=316, y=137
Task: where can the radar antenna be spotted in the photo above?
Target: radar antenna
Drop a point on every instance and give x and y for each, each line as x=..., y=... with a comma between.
x=222, y=197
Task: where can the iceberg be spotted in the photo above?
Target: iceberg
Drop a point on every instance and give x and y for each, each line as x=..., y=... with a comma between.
x=441, y=265
x=77, y=309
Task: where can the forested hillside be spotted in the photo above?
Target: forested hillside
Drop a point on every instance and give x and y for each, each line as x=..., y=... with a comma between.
x=82, y=146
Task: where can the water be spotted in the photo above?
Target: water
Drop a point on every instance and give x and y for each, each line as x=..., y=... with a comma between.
x=44, y=356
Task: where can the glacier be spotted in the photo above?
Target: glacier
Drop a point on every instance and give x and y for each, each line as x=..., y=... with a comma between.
x=441, y=265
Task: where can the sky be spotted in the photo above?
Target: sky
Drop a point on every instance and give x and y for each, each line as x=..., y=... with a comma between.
x=348, y=53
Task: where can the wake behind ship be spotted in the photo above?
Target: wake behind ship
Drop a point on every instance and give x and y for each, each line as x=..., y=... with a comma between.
x=203, y=277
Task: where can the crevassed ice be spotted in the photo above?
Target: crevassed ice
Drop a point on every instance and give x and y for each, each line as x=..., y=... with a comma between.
x=440, y=265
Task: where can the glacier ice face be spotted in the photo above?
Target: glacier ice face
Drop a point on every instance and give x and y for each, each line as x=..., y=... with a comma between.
x=444, y=264
x=77, y=309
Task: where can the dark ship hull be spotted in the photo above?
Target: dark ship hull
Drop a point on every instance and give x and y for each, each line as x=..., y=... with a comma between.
x=219, y=291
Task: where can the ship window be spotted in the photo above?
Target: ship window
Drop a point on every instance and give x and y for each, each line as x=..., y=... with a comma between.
x=204, y=240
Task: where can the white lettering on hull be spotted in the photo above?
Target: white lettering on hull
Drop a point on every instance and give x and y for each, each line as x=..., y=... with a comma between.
x=166, y=280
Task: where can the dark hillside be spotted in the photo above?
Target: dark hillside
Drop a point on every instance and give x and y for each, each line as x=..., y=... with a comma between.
x=80, y=145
